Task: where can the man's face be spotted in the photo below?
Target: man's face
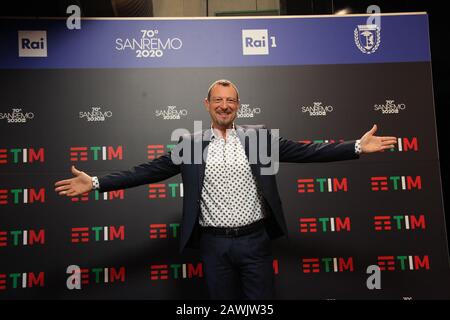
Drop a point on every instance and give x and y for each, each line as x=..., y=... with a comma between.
x=222, y=106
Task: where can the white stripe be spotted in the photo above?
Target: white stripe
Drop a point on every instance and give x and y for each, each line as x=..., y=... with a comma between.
x=24, y=153
x=407, y=222
x=335, y=264
x=25, y=195
x=400, y=147
x=332, y=224
x=24, y=280
x=106, y=275
x=181, y=190
x=105, y=195
x=105, y=233
x=104, y=153
x=329, y=185
x=25, y=237
x=411, y=266
x=403, y=183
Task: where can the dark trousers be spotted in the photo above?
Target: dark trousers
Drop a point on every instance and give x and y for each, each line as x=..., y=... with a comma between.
x=238, y=267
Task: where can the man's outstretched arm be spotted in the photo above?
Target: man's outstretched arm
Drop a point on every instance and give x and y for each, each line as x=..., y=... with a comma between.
x=291, y=151
x=157, y=170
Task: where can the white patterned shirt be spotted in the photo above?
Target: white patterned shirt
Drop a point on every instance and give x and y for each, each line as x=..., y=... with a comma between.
x=230, y=195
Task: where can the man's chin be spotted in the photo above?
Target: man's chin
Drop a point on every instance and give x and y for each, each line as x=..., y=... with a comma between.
x=224, y=123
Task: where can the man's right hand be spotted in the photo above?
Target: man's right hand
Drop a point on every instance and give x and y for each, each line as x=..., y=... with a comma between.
x=80, y=184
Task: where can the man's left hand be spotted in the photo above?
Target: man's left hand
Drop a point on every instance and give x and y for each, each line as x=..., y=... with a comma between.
x=371, y=143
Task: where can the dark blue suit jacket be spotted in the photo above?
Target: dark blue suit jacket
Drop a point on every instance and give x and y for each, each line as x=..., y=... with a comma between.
x=192, y=174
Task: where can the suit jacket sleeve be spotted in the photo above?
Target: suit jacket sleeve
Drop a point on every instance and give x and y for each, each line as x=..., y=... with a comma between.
x=156, y=170
x=292, y=151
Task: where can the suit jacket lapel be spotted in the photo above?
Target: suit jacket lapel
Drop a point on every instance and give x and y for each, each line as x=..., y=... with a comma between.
x=255, y=167
x=204, y=138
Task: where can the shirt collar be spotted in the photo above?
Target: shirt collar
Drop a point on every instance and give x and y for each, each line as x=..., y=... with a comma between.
x=232, y=132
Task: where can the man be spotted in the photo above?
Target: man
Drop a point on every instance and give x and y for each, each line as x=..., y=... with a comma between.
x=231, y=209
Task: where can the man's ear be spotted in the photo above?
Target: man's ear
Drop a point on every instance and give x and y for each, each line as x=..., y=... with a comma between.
x=206, y=104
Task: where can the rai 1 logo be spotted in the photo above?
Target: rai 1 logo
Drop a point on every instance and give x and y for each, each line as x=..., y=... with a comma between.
x=257, y=42
x=368, y=36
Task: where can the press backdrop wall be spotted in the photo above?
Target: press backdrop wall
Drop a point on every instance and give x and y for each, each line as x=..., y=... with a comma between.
x=108, y=97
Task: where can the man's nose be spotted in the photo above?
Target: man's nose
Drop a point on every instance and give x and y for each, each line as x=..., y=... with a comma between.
x=223, y=104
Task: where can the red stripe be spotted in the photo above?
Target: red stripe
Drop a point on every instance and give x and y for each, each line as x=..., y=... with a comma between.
x=311, y=260
x=80, y=229
x=78, y=148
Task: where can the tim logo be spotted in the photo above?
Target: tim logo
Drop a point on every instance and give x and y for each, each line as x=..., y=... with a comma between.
x=21, y=155
x=163, y=191
x=329, y=264
x=332, y=224
x=322, y=185
x=404, y=263
x=176, y=271
x=156, y=150
x=32, y=43
x=22, y=280
x=256, y=42
x=163, y=230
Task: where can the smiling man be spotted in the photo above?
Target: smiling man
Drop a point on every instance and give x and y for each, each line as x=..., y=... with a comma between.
x=230, y=210
x=222, y=104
